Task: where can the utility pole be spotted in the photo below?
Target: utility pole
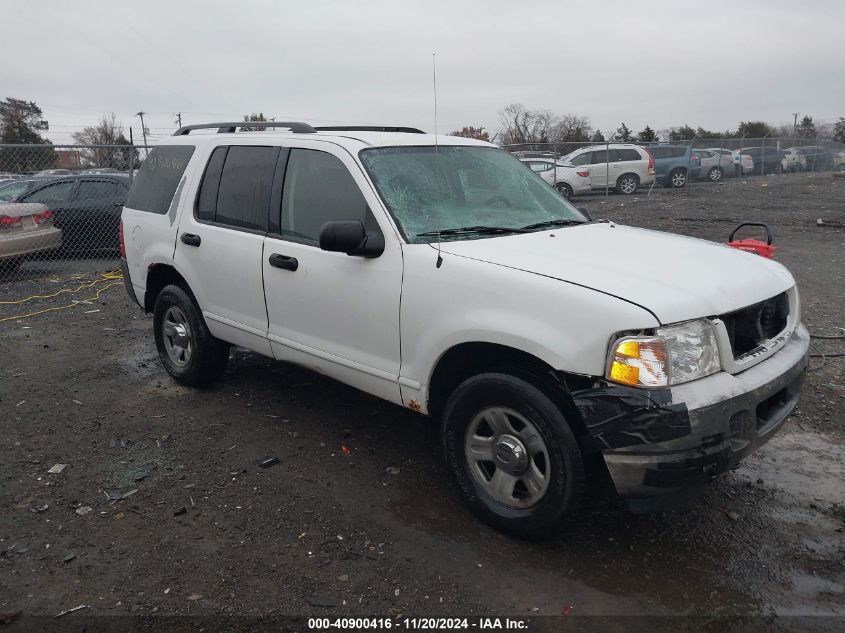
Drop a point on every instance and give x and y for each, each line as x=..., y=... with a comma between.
x=143, y=131
x=795, y=123
x=178, y=119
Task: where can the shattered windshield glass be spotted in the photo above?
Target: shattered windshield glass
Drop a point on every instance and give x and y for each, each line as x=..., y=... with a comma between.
x=465, y=191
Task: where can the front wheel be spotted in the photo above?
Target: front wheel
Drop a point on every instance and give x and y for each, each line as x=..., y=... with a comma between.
x=512, y=455
x=185, y=346
x=715, y=174
x=564, y=189
x=627, y=184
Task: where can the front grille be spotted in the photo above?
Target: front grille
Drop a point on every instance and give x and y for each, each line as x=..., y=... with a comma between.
x=751, y=326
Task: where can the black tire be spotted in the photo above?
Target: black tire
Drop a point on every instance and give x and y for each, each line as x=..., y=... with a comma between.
x=627, y=184
x=564, y=189
x=208, y=356
x=715, y=174
x=677, y=178
x=564, y=469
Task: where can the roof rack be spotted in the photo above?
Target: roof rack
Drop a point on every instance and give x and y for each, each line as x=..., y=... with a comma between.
x=368, y=128
x=231, y=126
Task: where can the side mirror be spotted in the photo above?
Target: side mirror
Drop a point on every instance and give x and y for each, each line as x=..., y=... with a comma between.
x=350, y=237
x=585, y=213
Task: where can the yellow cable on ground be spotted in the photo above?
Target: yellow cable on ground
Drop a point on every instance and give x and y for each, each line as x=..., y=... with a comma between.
x=112, y=274
x=69, y=305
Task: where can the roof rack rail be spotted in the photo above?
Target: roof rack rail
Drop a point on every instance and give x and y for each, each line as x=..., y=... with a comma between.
x=368, y=128
x=231, y=126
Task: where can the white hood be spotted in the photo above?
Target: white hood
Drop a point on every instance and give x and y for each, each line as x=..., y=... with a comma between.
x=677, y=278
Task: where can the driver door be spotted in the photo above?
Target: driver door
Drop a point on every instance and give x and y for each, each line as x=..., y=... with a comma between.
x=335, y=313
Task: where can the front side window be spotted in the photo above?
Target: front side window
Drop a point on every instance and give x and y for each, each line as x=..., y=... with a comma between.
x=318, y=189
x=429, y=189
x=56, y=192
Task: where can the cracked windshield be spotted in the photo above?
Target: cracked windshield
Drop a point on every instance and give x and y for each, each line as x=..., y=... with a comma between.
x=463, y=192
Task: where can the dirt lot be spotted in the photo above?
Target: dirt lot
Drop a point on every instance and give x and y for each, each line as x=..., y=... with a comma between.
x=203, y=530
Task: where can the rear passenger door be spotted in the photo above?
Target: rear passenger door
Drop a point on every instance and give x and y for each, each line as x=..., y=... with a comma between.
x=221, y=239
x=335, y=313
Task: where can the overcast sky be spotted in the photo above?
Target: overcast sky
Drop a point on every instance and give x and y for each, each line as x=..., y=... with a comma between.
x=356, y=61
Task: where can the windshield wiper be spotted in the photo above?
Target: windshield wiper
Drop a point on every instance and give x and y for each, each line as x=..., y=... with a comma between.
x=550, y=223
x=476, y=230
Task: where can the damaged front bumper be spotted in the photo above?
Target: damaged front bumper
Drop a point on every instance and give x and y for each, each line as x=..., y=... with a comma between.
x=659, y=442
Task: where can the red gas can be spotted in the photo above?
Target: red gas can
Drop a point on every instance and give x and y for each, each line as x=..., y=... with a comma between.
x=764, y=249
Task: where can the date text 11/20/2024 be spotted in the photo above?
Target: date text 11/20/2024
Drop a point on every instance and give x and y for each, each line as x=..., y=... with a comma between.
x=419, y=624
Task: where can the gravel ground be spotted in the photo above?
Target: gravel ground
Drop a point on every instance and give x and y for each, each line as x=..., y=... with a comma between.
x=163, y=508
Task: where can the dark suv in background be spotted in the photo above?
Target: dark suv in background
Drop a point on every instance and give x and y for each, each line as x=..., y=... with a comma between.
x=674, y=164
x=767, y=160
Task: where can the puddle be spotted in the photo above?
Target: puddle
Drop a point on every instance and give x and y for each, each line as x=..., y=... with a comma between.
x=805, y=465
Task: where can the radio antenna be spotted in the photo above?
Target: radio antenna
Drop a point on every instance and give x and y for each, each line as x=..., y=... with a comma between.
x=436, y=161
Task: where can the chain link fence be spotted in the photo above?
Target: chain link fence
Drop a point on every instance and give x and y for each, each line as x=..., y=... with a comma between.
x=676, y=164
x=60, y=207
x=59, y=223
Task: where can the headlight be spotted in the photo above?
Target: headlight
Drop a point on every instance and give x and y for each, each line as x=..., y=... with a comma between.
x=675, y=354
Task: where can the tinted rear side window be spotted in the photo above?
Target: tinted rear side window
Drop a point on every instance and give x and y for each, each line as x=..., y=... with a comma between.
x=100, y=189
x=243, y=198
x=156, y=182
x=629, y=154
x=207, y=198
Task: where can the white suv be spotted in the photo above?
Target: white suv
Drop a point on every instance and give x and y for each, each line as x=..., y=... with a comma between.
x=442, y=275
x=620, y=166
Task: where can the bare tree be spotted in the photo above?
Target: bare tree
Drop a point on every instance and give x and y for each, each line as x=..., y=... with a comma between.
x=520, y=125
x=108, y=131
x=572, y=127
x=469, y=131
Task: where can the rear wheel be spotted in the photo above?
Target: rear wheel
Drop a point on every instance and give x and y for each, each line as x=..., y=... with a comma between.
x=627, y=184
x=678, y=178
x=564, y=189
x=715, y=174
x=512, y=455
x=187, y=349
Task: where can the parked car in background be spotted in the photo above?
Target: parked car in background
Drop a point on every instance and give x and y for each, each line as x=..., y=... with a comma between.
x=54, y=172
x=793, y=159
x=767, y=160
x=568, y=179
x=86, y=209
x=621, y=166
x=4, y=176
x=743, y=163
x=675, y=164
x=838, y=161
x=25, y=229
x=12, y=189
x=816, y=158
x=715, y=163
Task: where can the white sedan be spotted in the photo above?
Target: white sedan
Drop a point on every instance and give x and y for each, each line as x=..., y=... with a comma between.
x=565, y=177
